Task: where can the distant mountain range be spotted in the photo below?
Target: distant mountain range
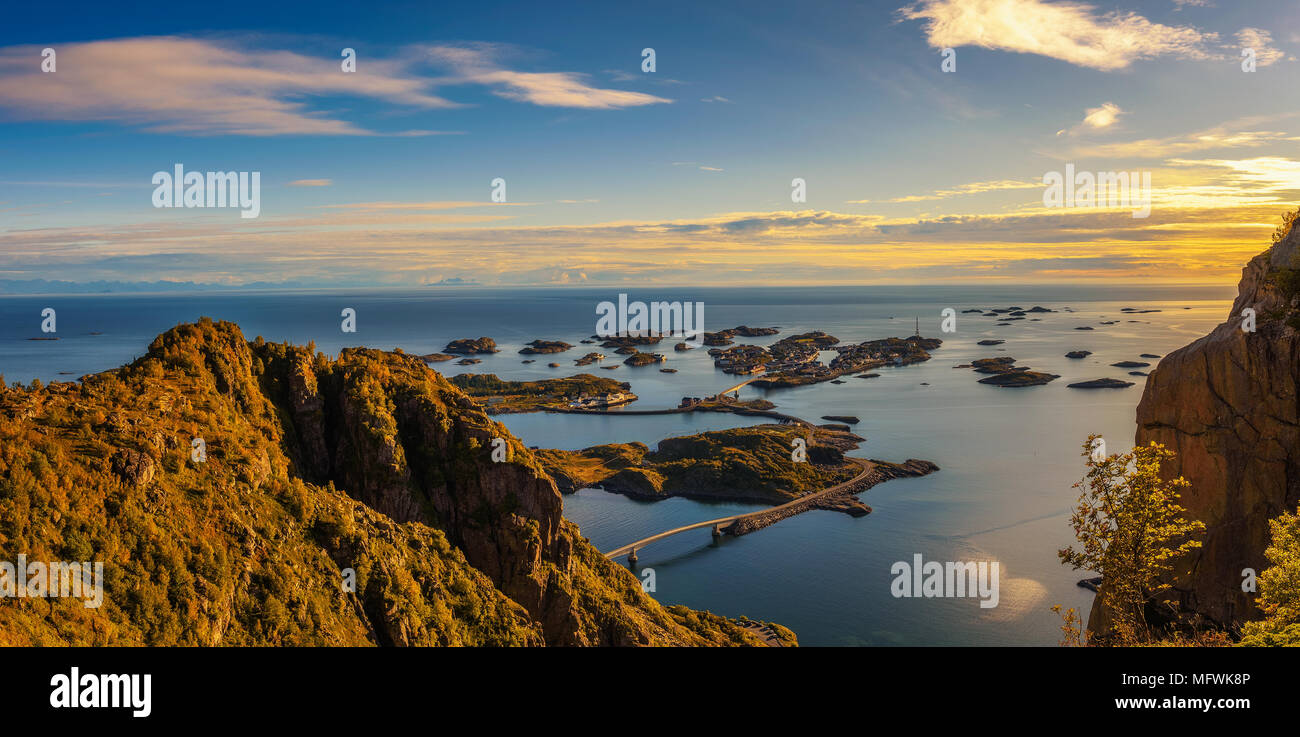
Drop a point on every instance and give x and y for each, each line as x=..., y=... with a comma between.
x=47, y=286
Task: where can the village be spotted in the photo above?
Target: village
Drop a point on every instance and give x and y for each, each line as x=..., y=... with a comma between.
x=795, y=359
x=597, y=401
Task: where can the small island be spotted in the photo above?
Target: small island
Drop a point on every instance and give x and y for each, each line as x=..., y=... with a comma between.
x=1004, y=373
x=1101, y=384
x=1019, y=379
x=723, y=337
x=499, y=396
x=471, y=346
x=751, y=464
x=545, y=346
x=793, y=361
x=643, y=359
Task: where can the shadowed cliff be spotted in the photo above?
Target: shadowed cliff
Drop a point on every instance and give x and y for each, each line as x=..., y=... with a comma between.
x=1227, y=405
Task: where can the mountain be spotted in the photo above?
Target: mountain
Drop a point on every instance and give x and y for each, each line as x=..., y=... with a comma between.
x=311, y=467
x=1228, y=405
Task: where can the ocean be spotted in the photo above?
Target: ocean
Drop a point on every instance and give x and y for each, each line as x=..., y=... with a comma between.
x=1008, y=457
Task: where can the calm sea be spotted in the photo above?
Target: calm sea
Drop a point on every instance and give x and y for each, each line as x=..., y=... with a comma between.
x=1008, y=456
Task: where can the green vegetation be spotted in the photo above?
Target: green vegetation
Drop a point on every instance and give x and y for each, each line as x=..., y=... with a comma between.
x=1279, y=588
x=370, y=462
x=751, y=463
x=500, y=396
x=1286, y=278
x=232, y=551
x=1284, y=229
x=1131, y=531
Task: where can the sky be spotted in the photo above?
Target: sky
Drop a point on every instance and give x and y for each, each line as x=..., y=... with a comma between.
x=614, y=175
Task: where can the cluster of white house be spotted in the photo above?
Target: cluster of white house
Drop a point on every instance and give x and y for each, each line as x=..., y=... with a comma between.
x=601, y=400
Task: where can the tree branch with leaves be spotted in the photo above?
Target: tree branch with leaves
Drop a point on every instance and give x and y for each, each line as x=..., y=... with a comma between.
x=1131, y=530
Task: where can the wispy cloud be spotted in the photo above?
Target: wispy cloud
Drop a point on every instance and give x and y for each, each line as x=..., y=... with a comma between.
x=1095, y=119
x=431, y=205
x=193, y=86
x=197, y=87
x=798, y=246
x=311, y=183
x=1072, y=32
x=997, y=185
x=478, y=64
x=698, y=165
x=1262, y=175
x=1261, y=41
x=1243, y=133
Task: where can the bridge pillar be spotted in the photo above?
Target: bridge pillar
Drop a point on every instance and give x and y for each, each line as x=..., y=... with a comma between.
x=631, y=557
x=717, y=531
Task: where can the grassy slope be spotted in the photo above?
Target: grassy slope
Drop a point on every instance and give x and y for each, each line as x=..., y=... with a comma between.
x=241, y=549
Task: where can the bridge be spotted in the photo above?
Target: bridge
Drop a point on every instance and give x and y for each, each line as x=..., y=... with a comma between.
x=731, y=389
x=718, y=524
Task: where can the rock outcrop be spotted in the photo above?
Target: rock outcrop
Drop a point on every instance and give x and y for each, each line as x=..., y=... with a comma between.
x=370, y=465
x=471, y=346
x=1227, y=405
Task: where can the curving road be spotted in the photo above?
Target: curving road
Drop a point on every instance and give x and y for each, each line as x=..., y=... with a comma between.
x=867, y=467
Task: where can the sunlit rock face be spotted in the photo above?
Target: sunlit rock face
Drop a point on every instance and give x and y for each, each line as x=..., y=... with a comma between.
x=1227, y=405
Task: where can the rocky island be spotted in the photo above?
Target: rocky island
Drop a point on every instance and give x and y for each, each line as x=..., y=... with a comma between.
x=1101, y=384
x=724, y=337
x=1004, y=373
x=643, y=359
x=498, y=396
x=793, y=361
x=471, y=346
x=746, y=464
x=545, y=346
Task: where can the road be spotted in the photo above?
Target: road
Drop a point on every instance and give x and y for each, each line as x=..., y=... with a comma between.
x=867, y=467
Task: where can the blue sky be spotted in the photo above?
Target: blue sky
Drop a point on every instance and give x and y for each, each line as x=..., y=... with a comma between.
x=614, y=175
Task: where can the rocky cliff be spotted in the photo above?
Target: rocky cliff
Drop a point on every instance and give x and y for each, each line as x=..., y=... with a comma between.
x=311, y=466
x=1227, y=405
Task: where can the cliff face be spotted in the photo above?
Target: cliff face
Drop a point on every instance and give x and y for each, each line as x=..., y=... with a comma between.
x=1227, y=404
x=371, y=462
